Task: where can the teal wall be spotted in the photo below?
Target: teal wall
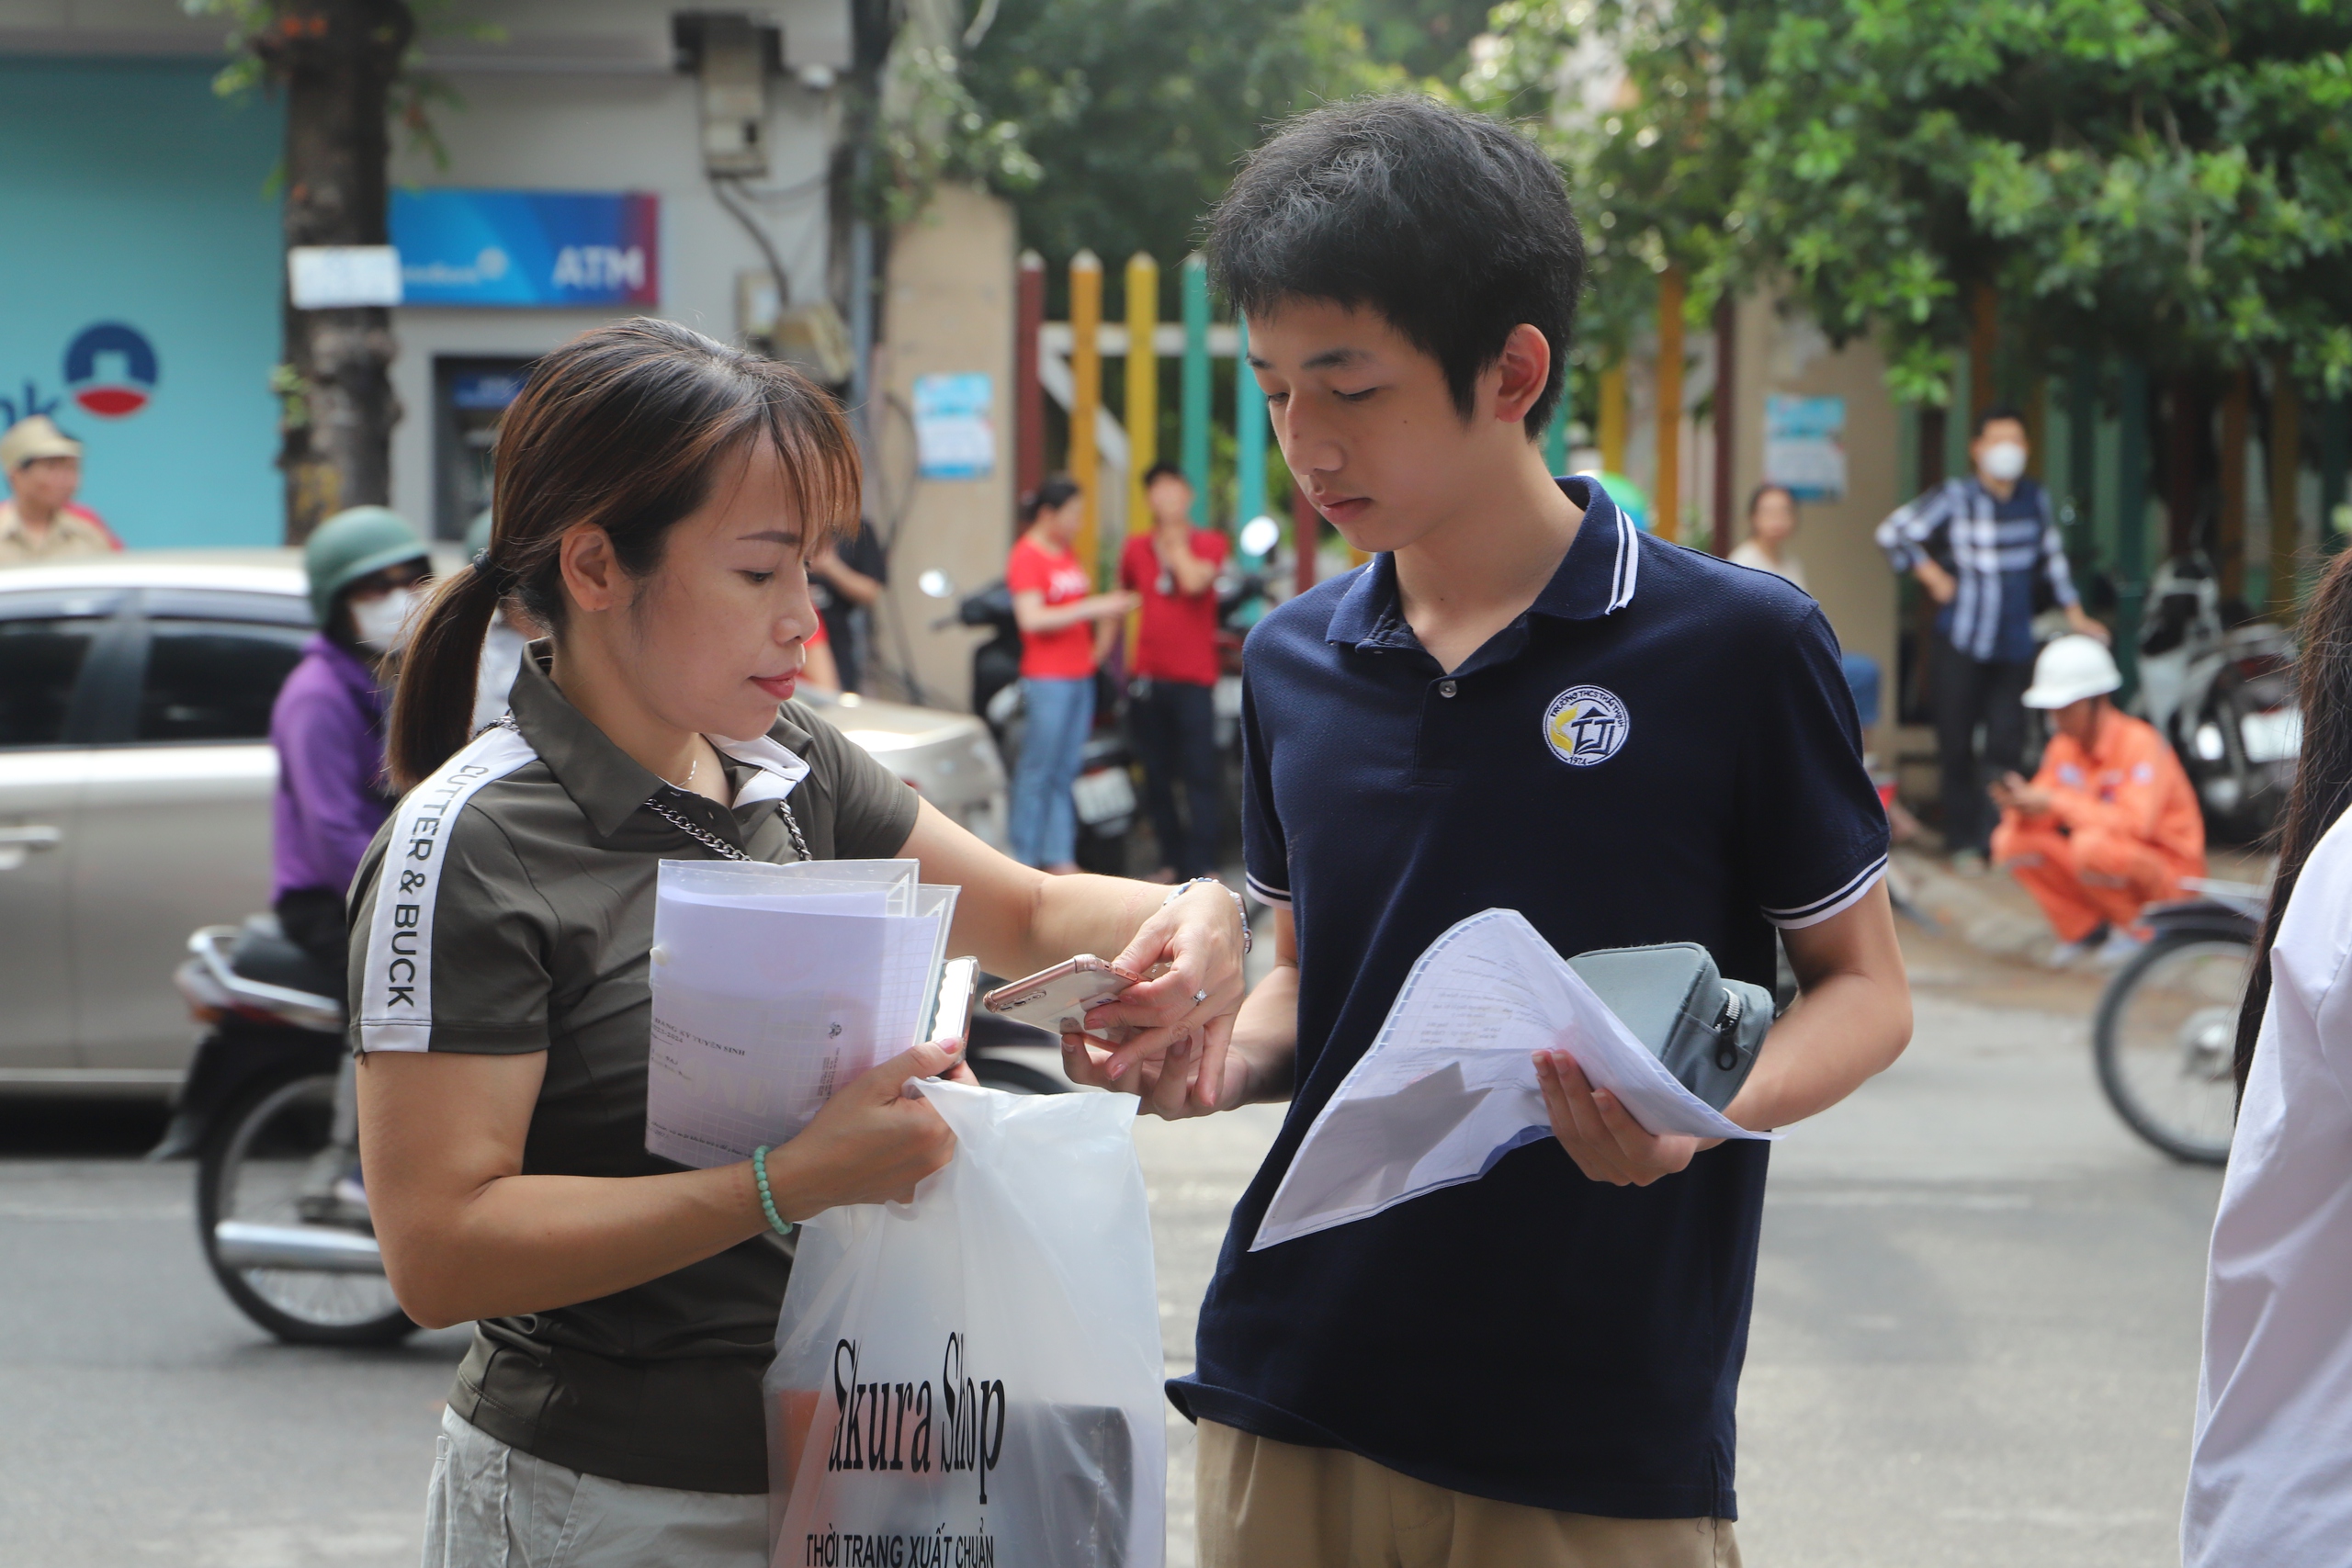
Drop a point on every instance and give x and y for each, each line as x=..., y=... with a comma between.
x=130, y=194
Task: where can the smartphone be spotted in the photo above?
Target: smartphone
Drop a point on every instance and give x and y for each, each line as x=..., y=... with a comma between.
x=1057, y=999
x=952, y=1017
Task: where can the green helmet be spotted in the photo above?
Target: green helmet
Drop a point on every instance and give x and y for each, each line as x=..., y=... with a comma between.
x=352, y=543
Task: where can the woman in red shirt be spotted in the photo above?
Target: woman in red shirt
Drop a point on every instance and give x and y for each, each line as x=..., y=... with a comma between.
x=1065, y=627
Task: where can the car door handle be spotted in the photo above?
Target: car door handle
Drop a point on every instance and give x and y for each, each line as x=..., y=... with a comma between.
x=17, y=844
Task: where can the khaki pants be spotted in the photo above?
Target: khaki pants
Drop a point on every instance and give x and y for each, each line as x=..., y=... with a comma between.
x=1270, y=1504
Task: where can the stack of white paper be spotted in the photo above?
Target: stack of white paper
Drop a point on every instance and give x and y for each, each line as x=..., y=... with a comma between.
x=773, y=985
x=1448, y=1085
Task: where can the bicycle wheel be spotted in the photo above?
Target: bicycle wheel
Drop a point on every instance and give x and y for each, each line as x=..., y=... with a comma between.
x=254, y=1170
x=2163, y=1036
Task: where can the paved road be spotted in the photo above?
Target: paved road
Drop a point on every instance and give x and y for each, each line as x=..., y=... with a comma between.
x=1975, y=1341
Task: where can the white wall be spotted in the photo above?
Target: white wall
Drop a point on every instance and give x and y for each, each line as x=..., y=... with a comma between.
x=597, y=106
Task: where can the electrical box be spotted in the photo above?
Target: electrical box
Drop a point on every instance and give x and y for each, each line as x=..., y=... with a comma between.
x=730, y=56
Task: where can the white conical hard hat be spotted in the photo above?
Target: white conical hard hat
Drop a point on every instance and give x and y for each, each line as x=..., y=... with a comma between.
x=2071, y=669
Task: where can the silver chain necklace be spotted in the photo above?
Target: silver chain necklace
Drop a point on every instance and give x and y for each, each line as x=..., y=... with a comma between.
x=711, y=840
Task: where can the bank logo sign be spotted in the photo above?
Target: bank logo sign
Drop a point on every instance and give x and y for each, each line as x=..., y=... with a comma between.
x=528, y=247
x=108, y=369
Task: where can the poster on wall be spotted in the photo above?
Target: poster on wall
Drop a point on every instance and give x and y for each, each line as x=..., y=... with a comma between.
x=528, y=247
x=1804, y=445
x=954, y=438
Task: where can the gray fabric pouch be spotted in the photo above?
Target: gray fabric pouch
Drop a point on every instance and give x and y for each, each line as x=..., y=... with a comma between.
x=1705, y=1029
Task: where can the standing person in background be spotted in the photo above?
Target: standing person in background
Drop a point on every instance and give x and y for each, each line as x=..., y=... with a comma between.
x=1065, y=629
x=2273, y=1446
x=846, y=579
x=327, y=727
x=1173, y=694
x=1771, y=523
x=1976, y=545
x=39, y=521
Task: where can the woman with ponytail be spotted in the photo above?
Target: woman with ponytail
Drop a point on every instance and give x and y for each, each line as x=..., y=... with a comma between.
x=2270, y=1477
x=659, y=496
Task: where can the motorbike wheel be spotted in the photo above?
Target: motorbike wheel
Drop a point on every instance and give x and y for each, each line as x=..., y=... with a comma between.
x=254, y=1168
x=2163, y=1038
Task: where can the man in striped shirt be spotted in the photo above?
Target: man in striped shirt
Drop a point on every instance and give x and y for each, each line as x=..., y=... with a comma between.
x=1977, y=545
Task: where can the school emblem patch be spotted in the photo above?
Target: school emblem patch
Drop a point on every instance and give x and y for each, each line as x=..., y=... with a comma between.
x=1585, y=724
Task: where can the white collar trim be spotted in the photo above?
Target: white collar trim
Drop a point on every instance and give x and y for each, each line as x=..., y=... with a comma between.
x=777, y=770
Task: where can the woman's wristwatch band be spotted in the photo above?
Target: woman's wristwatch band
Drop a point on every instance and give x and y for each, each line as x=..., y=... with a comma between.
x=1240, y=907
x=767, y=1200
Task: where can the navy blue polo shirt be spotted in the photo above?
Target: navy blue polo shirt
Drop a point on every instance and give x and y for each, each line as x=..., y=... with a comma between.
x=1661, y=749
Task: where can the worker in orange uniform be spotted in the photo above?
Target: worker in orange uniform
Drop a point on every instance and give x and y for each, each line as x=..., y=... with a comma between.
x=2110, y=824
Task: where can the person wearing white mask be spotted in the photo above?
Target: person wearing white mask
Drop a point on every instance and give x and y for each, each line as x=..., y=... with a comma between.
x=366, y=567
x=1982, y=547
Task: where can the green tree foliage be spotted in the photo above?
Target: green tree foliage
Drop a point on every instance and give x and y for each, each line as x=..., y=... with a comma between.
x=2169, y=180
x=1135, y=111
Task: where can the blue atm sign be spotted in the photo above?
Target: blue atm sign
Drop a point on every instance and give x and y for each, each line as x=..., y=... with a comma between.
x=528, y=247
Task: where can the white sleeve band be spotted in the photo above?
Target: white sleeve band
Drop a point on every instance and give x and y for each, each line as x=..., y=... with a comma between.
x=1279, y=898
x=396, y=995
x=1837, y=903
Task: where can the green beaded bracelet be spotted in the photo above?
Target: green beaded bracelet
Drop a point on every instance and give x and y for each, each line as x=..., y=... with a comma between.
x=767, y=1203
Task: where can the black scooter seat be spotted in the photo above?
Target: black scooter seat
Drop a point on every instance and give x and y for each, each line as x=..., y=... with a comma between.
x=263, y=953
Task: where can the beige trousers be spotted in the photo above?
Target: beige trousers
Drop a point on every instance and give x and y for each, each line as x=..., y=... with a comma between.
x=1268, y=1504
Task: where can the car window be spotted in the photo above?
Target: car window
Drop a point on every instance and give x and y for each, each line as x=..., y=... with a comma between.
x=41, y=661
x=214, y=680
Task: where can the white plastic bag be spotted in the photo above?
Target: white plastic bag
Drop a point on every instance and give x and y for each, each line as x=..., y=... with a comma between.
x=973, y=1379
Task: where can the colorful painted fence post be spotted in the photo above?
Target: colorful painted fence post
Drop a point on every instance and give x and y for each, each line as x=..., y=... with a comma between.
x=1249, y=434
x=1143, y=385
x=1197, y=383
x=1086, y=396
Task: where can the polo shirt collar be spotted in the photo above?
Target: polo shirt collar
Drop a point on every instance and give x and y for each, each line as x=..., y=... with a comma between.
x=1596, y=577
x=606, y=782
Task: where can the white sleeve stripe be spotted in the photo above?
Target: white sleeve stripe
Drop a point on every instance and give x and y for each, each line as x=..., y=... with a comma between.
x=1277, y=897
x=1837, y=903
x=396, y=994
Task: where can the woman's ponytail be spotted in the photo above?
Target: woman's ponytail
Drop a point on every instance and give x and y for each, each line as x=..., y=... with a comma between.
x=2323, y=786
x=433, y=704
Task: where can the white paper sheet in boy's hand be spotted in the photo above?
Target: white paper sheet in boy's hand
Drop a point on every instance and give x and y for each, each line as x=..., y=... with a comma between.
x=1448, y=1085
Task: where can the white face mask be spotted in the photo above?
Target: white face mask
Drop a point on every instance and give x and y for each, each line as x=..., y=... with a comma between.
x=2003, y=460
x=382, y=624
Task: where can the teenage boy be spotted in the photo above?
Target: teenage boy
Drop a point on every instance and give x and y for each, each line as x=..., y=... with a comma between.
x=1172, y=694
x=1977, y=545
x=1520, y=702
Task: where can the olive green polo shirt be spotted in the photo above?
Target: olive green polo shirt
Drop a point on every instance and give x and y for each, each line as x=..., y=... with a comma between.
x=507, y=906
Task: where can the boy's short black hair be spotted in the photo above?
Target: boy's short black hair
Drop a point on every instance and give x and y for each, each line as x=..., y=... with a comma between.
x=1992, y=412
x=1164, y=469
x=1451, y=226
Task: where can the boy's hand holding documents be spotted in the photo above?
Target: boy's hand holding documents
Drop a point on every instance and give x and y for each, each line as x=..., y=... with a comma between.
x=1451, y=1086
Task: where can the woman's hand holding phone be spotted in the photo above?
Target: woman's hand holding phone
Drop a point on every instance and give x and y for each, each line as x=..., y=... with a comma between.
x=870, y=1143
x=1181, y=1018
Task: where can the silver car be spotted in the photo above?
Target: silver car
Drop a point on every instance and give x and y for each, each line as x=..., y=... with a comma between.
x=136, y=779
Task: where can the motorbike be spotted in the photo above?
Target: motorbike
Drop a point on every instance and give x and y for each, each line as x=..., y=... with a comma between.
x=1105, y=793
x=2167, y=1023
x=2222, y=695
x=267, y=1114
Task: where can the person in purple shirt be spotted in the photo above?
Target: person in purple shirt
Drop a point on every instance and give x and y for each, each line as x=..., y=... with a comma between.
x=365, y=566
